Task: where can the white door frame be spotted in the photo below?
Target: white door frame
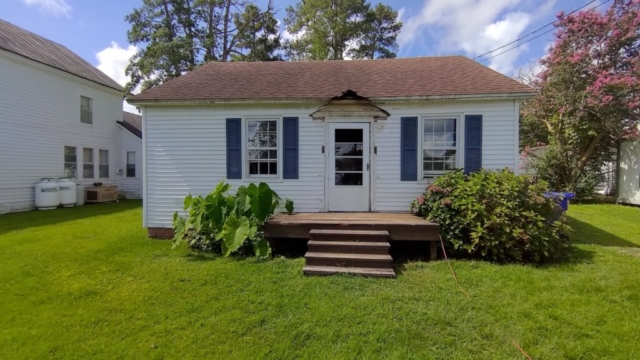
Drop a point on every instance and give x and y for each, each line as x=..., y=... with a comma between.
x=329, y=156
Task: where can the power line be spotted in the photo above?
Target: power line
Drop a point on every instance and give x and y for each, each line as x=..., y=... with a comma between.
x=535, y=31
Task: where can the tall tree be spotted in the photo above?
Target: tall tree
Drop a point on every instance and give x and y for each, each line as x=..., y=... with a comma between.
x=331, y=29
x=261, y=39
x=589, y=89
x=176, y=36
x=380, y=29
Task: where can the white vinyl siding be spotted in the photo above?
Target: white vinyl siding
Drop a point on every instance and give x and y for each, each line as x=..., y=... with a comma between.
x=186, y=153
x=40, y=116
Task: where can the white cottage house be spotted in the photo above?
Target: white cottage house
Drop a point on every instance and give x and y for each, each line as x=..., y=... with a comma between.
x=333, y=136
x=58, y=118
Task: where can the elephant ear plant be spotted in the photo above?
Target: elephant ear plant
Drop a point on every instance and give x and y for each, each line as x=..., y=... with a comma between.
x=228, y=223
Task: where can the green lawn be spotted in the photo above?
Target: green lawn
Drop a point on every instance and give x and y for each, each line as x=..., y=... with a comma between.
x=86, y=283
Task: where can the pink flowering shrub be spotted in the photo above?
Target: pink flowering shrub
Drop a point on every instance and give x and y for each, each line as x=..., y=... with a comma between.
x=498, y=216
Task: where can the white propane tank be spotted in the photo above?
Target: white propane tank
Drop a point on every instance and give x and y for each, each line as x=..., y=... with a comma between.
x=68, y=193
x=47, y=194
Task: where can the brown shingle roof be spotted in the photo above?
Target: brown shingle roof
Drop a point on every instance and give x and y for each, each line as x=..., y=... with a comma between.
x=407, y=77
x=27, y=44
x=132, y=122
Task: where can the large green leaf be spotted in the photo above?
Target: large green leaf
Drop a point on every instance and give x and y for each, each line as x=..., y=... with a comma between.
x=179, y=229
x=261, y=248
x=261, y=201
x=289, y=206
x=221, y=189
x=187, y=201
x=242, y=199
x=234, y=233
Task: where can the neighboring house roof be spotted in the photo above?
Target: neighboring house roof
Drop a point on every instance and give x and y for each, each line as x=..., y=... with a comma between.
x=424, y=77
x=29, y=45
x=132, y=122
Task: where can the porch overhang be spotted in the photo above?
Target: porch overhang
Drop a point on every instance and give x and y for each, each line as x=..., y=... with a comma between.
x=349, y=105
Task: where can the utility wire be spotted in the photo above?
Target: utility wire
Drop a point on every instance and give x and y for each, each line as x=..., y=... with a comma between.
x=535, y=31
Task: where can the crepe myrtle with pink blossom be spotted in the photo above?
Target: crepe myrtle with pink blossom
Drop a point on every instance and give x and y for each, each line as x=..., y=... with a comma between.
x=589, y=89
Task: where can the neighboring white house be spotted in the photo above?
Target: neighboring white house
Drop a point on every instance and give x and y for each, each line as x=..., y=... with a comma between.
x=131, y=155
x=629, y=173
x=58, y=118
x=365, y=135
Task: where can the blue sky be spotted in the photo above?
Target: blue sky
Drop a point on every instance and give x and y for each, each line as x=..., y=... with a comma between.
x=96, y=30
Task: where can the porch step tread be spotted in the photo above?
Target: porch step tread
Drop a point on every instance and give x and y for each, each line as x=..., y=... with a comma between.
x=349, y=232
x=362, y=271
x=360, y=244
x=322, y=255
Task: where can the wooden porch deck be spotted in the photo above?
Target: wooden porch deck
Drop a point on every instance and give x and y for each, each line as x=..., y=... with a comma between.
x=401, y=226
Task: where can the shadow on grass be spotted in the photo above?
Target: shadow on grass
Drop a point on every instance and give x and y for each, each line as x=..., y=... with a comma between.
x=585, y=233
x=31, y=219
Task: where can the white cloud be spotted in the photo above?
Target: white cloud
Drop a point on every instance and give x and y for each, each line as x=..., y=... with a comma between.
x=50, y=7
x=473, y=26
x=113, y=61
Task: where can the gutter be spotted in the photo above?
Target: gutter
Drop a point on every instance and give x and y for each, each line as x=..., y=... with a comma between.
x=314, y=101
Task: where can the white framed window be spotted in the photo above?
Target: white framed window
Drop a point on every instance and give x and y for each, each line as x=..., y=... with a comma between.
x=70, y=162
x=131, y=164
x=87, y=163
x=103, y=163
x=86, y=110
x=262, y=137
x=440, y=140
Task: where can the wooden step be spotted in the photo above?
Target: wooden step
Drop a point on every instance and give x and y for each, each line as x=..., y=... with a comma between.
x=333, y=270
x=348, y=260
x=349, y=235
x=349, y=247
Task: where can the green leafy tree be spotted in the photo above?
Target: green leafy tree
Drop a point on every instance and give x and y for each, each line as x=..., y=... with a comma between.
x=261, y=39
x=176, y=36
x=329, y=29
x=380, y=29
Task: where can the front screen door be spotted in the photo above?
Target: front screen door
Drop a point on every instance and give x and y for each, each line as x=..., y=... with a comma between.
x=348, y=167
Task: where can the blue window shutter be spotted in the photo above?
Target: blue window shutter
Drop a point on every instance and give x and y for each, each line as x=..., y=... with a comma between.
x=234, y=149
x=291, y=147
x=409, y=149
x=473, y=143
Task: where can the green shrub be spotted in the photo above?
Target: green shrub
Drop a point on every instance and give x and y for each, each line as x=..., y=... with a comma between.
x=228, y=224
x=495, y=215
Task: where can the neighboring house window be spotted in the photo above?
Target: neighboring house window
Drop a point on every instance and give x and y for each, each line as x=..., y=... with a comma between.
x=70, y=162
x=131, y=164
x=86, y=110
x=103, y=163
x=439, y=141
x=262, y=147
x=87, y=163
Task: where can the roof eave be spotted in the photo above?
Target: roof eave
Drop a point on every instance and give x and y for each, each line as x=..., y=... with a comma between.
x=475, y=97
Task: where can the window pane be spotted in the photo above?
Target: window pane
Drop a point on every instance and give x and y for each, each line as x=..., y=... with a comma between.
x=347, y=149
x=348, y=164
x=103, y=171
x=253, y=168
x=273, y=168
x=87, y=171
x=70, y=170
x=86, y=117
x=348, y=135
x=85, y=102
x=70, y=150
x=104, y=156
x=273, y=154
x=87, y=156
x=348, y=178
x=438, y=126
x=428, y=126
x=131, y=157
x=263, y=168
x=131, y=170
